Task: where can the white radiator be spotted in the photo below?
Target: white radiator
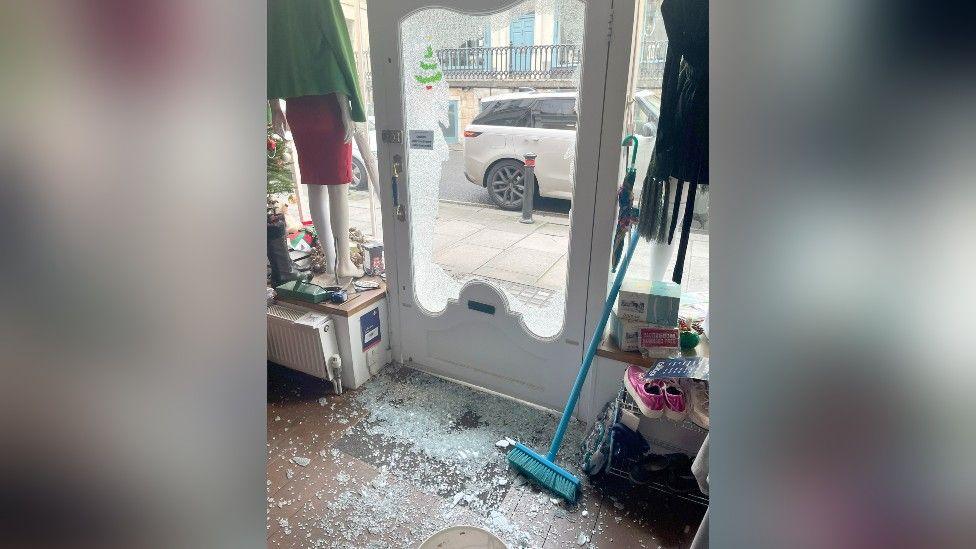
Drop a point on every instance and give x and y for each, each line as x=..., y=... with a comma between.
x=304, y=340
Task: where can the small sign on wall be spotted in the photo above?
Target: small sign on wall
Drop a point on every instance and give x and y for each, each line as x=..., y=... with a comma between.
x=369, y=326
x=422, y=139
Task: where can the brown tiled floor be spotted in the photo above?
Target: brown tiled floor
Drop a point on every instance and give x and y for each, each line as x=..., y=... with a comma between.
x=339, y=500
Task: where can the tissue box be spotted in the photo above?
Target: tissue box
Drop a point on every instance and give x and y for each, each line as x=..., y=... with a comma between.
x=625, y=333
x=651, y=303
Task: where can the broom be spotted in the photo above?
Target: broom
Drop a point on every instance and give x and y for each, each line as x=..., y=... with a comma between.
x=543, y=470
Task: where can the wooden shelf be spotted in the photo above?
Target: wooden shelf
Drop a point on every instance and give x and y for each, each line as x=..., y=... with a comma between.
x=357, y=300
x=609, y=349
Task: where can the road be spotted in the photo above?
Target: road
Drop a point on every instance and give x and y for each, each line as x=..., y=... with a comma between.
x=454, y=186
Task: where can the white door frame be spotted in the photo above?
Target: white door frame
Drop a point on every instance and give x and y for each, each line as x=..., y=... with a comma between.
x=602, y=95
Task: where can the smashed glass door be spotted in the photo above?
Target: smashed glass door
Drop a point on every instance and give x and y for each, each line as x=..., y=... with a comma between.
x=508, y=83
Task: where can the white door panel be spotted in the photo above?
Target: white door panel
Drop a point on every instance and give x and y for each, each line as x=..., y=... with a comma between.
x=475, y=330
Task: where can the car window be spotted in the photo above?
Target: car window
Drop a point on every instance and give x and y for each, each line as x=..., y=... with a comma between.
x=515, y=112
x=556, y=114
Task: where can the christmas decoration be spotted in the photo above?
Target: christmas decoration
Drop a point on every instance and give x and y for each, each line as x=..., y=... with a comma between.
x=431, y=73
x=691, y=325
x=281, y=175
x=689, y=340
x=357, y=253
x=691, y=332
x=306, y=250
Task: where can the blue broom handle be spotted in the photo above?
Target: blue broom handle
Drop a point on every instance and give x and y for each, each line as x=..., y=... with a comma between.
x=591, y=349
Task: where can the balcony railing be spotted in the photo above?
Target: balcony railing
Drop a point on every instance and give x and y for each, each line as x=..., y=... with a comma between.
x=650, y=64
x=538, y=63
x=556, y=62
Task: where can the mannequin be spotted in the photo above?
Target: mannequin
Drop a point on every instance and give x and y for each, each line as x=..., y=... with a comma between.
x=326, y=171
x=330, y=208
x=661, y=250
x=681, y=142
x=311, y=66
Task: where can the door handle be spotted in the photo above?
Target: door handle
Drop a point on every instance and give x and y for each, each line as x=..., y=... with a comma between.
x=535, y=139
x=398, y=210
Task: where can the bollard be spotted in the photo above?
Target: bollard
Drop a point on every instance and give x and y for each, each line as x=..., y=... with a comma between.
x=528, y=190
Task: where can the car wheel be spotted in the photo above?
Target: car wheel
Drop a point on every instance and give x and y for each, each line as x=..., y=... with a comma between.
x=359, y=177
x=505, y=184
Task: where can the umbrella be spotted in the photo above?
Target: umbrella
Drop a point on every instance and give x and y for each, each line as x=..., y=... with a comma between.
x=626, y=213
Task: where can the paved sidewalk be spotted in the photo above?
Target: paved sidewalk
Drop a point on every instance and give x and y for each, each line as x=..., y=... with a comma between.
x=527, y=259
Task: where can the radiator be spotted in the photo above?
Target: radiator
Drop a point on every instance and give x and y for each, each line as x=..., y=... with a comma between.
x=304, y=340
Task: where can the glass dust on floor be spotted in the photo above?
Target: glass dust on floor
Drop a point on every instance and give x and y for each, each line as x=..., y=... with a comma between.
x=408, y=454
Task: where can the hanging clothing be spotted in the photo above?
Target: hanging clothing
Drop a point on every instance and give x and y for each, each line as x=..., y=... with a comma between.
x=324, y=156
x=681, y=143
x=309, y=52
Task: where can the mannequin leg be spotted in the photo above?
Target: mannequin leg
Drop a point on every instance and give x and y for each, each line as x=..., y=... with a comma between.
x=318, y=206
x=339, y=208
x=660, y=257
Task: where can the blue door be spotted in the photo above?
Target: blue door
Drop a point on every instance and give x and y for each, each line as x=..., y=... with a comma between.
x=451, y=131
x=521, y=33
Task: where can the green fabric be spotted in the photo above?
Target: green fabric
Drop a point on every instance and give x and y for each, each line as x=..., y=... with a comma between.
x=309, y=52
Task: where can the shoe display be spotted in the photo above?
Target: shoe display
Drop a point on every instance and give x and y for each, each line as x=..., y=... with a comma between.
x=696, y=392
x=676, y=407
x=647, y=394
x=681, y=480
x=651, y=468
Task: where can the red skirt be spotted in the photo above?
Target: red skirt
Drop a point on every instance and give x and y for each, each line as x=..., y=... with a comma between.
x=316, y=127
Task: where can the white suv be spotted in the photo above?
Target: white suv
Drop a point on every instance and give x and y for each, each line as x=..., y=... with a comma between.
x=508, y=127
x=513, y=124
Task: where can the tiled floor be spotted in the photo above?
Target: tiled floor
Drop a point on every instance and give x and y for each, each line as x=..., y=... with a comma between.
x=408, y=454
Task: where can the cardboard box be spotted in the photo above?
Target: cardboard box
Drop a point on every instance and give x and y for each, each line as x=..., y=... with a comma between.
x=625, y=333
x=652, y=303
x=666, y=436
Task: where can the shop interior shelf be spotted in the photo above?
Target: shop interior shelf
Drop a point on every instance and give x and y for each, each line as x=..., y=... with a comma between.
x=622, y=468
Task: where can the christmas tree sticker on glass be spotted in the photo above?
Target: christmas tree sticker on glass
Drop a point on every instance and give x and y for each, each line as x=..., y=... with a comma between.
x=430, y=73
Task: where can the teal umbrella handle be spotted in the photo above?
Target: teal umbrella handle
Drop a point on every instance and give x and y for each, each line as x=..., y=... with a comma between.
x=631, y=141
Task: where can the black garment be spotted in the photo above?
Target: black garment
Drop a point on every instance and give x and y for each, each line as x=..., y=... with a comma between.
x=681, y=144
x=282, y=268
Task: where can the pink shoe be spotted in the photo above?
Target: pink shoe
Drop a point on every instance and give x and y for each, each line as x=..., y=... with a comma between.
x=647, y=394
x=674, y=398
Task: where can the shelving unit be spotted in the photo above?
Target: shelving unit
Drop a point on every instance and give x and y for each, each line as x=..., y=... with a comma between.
x=609, y=349
x=622, y=469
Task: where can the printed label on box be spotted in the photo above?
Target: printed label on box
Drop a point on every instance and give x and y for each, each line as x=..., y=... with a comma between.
x=659, y=337
x=369, y=325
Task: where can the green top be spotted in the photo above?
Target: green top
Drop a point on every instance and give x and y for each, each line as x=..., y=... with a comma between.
x=309, y=52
